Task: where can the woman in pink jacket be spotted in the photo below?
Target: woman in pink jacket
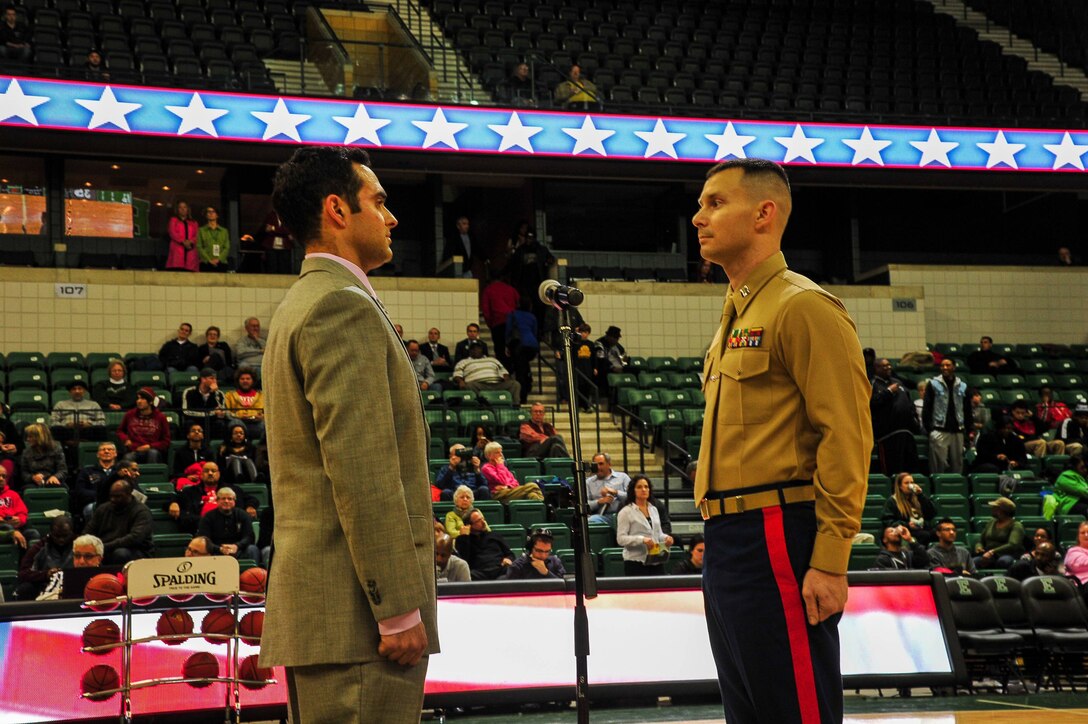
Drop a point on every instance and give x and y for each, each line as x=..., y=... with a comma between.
x=182, y=255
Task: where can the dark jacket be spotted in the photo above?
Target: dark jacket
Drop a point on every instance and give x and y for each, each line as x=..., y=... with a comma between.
x=236, y=528
x=483, y=551
x=191, y=502
x=186, y=456
x=107, y=393
x=222, y=357
x=40, y=557
x=913, y=557
x=891, y=411
x=891, y=515
x=461, y=351
x=46, y=462
x=522, y=569
x=179, y=355
x=92, y=485
x=991, y=444
x=125, y=527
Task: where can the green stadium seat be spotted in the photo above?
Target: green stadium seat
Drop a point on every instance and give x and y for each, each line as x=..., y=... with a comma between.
x=1009, y=382
x=688, y=380
x=693, y=419
x=601, y=536
x=874, y=506
x=512, y=533
x=677, y=398
x=692, y=443
x=100, y=360
x=441, y=507
x=148, y=378
x=496, y=398
x=27, y=379
x=27, y=417
x=1068, y=381
x=437, y=448
x=258, y=491
x=661, y=364
x=952, y=506
x=637, y=364
x=183, y=379
x=612, y=562
x=435, y=465
x=161, y=522
x=28, y=401
x=567, y=558
x=39, y=500
x=154, y=473
x=980, y=381
x=1063, y=366
x=472, y=417
x=511, y=419
x=617, y=380
x=1072, y=397
x=524, y=469
x=1035, y=381
x=1028, y=504
x=654, y=380
x=666, y=424
x=949, y=484
x=24, y=360
x=1034, y=366
x=62, y=377
x=1067, y=529
x=1028, y=350
x=443, y=423
x=990, y=396
x=1004, y=349
x=948, y=349
x=559, y=467
x=985, y=483
x=493, y=510
x=170, y=545
x=980, y=504
x=460, y=398
x=880, y=485
x=69, y=360
x=863, y=556
x=923, y=482
x=690, y=364
x=1055, y=465
x=1012, y=395
x=432, y=398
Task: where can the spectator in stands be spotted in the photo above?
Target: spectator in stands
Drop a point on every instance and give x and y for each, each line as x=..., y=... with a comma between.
x=78, y=417
x=984, y=361
x=216, y=354
x=180, y=354
x=45, y=558
x=124, y=525
x=11, y=444
x=460, y=243
x=91, y=480
x=1026, y=428
x=213, y=243
x=249, y=350
x=900, y=552
x=199, y=547
x=189, y=476
x=456, y=522
x=246, y=403
x=1002, y=540
x=1071, y=488
x=195, y=450
x=1076, y=558
x=693, y=566
x=477, y=372
x=125, y=470
x=400, y=333
x=638, y=530
x=584, y=359
x=498, y=300
x=114, y=393
x=93, y=69
x=463, y=470
x=481, y=436
x=894, y=422
x=1065, y=257
x=422, y=366
x=237, y=458
x=606, y=490
x=710, y=273
x=1074, y=431
x=487, y=554
x=183, y=230
x=522, y=345
x=577, y=92
x=472, y=334
x=144, y=431
x=204, y=402
x=87, y=552
x=437, y=353
x=1041, y=535
x=447, y=566
x=980, y=415
x=13, y=516
x=278, y=245
x=611, y=356
x=529, y=266
x=229, y=529
x=919, y=404
x=194, y=501
x=944, y=415
x=538, y=437
x=520, y=90
x=909, y=507
x=501, y=481
x=42, y=462
x=944, y=553
x=1044, y=560
x=1050, y=413
x=999, y=449
x=538, y=562
x=14, y=37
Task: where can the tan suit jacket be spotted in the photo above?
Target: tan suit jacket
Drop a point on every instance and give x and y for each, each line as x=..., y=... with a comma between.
x=347, y=445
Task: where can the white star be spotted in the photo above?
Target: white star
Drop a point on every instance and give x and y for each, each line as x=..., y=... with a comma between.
x=934, y=149
x=660, y=140
x=514, y=134
x=197, y=116
x=729, y=142
x=280, y=121
x=439, y=130
x=16, y=104
x=361, y=125
x=866, y=148
x=799, y=145
x=107, y=109
x=588, y=136
x=1001, y=151
x=1065, y=153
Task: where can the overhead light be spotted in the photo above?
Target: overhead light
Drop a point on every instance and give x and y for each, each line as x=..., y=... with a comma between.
x=3, y=180
x=115, y=167
x=200, y=170
x=165, y=188
x=87, y=184
x=158, y=203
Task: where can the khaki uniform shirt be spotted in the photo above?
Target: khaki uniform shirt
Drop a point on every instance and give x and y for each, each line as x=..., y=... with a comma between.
x=787, y=399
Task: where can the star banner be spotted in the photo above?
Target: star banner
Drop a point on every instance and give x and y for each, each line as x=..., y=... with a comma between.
x=140, y=111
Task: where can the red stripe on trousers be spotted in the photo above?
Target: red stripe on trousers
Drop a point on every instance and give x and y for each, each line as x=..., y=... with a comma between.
x=794, y=609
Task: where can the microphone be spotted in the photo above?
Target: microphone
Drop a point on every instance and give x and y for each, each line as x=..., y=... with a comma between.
x=559, y=295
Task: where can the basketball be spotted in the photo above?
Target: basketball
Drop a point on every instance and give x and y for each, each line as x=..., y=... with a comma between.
x=101, y=677
x=200, y=665
x=251, y=626
x=173, y=625
x=253, y=580
x=101, y=632
x=217, y=621
x=101, y=587
x=249, y=671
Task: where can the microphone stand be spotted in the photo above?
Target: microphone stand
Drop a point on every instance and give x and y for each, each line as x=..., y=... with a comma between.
x=585, y=577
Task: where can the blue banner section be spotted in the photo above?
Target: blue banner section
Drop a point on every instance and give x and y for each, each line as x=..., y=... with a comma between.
x=75, y=106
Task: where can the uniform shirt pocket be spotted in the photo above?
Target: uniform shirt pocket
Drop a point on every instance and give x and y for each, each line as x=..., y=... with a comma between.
x=745, y=387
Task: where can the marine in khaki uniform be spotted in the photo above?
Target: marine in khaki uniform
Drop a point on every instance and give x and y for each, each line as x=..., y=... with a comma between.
x=785, y=448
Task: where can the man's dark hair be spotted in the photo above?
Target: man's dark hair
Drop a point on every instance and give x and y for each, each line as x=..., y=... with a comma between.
x=471, y=325
x=971, y=392
x=753, y=167
x=696, y=540
x=311, y=175
x=1002, y=422
x=217, y=330
x=987, y=338
x=1021, y=405
x=539, y=536
x=411, y=341
x=944, y=521
x=191, y=425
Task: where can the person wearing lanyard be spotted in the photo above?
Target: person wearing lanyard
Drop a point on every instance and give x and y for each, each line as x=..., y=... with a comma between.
x=782, y=478
x=213, y=243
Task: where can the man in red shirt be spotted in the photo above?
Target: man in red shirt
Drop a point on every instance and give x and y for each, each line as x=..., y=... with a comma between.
x=496, y=303
x=539, y=438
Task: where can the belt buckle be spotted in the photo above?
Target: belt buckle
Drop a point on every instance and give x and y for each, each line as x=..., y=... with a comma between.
x=740, y=503
x=704, y=509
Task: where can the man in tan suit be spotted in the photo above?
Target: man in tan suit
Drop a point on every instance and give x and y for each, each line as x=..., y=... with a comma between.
x=351, y=603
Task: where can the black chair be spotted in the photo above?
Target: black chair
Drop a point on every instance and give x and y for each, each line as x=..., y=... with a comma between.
x=988, y=649
x=1052, y=605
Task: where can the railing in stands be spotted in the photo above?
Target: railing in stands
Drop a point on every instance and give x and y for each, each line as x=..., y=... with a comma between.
x=635, y=429
x=593, y=402
x=674, y=452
